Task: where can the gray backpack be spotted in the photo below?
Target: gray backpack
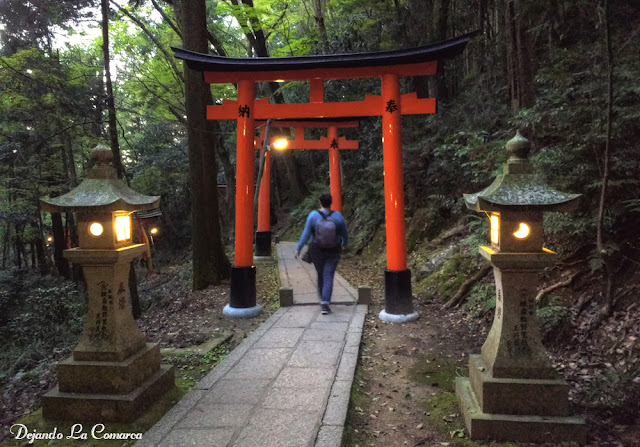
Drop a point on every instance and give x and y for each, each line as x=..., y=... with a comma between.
x=327, y=232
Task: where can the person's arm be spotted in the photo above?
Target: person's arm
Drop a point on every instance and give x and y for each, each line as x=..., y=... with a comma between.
x=306, y=234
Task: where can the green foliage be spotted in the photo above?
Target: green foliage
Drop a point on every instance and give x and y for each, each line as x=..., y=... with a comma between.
x=552, y=317
x=482, y=299
x=41, y=314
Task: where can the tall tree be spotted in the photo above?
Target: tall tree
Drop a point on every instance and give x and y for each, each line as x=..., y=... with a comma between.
x=115, y=144
x=518, y=57
x=210, y=263
x=255, y=32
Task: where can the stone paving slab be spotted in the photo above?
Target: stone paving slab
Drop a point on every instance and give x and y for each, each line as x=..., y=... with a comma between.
x=302, y=277
x=287, y=385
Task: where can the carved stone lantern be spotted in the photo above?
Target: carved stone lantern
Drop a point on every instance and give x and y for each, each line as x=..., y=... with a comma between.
x=113, y=372
x=513, y=392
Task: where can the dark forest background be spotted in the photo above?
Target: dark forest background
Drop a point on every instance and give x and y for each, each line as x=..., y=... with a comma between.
x=563, y=72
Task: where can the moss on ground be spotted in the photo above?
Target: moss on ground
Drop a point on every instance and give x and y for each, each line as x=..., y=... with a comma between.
x=445, y=282
x=443, y=409
x=433, y=371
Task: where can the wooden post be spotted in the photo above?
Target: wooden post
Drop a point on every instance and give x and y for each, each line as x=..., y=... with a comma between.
x=334, y=169
x=263, y=233
x=265, y=193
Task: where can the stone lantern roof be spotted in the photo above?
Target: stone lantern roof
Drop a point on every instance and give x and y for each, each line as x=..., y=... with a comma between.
x=519, y=187
x=100, y=191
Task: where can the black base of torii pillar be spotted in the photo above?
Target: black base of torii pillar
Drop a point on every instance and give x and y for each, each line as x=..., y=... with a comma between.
x=263, y=243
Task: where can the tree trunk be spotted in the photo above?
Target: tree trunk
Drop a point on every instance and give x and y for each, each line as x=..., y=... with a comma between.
x=258, y=42
x=111, y=108
x=440, y=19
x=210, y=263
x=5, y=246
x=19, y=246
x=417, y=35
x=322, y=31
x=59, y=244
x=113, y=138
x=518, y=63
x=136, y=310
x=608, y=262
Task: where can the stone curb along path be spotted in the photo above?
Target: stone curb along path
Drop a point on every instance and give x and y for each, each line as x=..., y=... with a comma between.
x=286, y=385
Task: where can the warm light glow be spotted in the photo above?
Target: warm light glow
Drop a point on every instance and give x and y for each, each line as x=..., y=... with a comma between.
x=95, y=229
x=49, y=239
x=154, y=230
x=495, y=220
x=280, y=143
x=523, y=231
x=123, y=228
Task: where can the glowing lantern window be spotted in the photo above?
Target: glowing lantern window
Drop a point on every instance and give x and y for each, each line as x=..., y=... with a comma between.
x=123, y=228
x=523, y=231
x=95, y=229
x=280, y=144
x=495, y=220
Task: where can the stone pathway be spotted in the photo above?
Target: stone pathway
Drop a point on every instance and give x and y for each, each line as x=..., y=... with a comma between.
x=302, y=278
x=287, y=385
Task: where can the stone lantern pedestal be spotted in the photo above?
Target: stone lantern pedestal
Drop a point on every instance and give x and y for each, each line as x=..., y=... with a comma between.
x=513, y=393
x=113, y=373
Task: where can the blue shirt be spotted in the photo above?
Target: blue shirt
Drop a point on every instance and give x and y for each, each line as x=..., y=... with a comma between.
x=310, y=227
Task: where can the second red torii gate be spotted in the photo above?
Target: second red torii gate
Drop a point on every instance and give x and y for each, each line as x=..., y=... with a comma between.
x=332, y=143
x=386, y=65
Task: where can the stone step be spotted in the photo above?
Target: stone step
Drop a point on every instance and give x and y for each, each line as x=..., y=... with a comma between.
x=541, y=397
x=85, y=407
x=518, y=428
x=95, y=377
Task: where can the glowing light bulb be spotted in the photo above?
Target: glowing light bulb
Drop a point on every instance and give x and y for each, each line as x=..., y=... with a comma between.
x=95, y=229
x=523, y=231
x=494, y=220
x=154, y=230
x=280, y=144
x=123, y=228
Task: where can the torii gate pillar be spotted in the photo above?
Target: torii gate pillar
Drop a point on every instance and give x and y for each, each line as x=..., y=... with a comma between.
x=397, y=278
x=334, y=170
x=263, y=232
x=242, y=300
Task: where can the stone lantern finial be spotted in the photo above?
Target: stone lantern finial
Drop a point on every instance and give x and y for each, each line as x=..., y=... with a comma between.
x=518, y=148
x=101, y=155
x=102, y=159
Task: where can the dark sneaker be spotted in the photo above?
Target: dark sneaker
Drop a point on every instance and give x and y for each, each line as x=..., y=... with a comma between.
x=324, y=308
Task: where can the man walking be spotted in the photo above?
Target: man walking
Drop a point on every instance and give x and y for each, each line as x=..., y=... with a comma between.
x=328, y=232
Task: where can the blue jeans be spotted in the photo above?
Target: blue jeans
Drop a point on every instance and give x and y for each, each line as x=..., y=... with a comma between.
x=325, y=262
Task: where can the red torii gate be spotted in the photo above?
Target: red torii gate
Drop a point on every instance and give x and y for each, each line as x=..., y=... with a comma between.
x=387, y=65
x=331, y=143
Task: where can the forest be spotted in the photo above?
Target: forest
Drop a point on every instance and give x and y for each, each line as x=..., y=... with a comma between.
x=75, y=74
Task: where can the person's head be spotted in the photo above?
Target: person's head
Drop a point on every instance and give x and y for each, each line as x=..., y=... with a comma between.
x=325, y=200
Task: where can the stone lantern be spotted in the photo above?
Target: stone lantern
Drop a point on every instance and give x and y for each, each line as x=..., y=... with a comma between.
x=113, y=373
x=513, y=392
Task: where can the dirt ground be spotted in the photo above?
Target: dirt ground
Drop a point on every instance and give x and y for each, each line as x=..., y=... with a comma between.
x=404, y=394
